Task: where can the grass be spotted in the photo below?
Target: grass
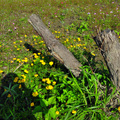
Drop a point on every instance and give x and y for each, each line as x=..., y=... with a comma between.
x=33, y=85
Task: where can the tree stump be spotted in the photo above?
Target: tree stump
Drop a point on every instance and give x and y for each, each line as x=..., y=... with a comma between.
x=109, y=46
x=57, y=50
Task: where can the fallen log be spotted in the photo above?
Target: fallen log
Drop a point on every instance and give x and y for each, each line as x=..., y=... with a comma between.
x=110, y=49
x=57, y=50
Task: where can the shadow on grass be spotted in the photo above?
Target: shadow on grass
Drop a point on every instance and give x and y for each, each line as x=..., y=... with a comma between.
x=18, y=105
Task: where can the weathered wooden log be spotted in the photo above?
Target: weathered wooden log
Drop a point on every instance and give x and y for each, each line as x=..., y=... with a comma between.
x=58, y=50
x=109, y=46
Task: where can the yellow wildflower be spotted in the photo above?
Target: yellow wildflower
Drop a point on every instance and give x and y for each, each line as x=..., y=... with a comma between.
x=18, y=48
x=31, y=64
x=119, y=36
x=5, y=90
x=32, y=104
x=49, y=87
x=36, y=56
x=19, y=81
x=34, y=60
x=79, y=39
x=119, y=108
x=25, y=35
x=54, y=83
x=67, y=40
x=20, y=86
x=39, y=53
x=73, y=111
x=34, y=94
x=23, y=80
x=11, y=61
x=16, y=79
x=43, y=79
x=21, y=41
x=55, y=31
x=92, y=54
x=14, y=42
x=36, y=75
x=14, y=58
x=65, y=76
x=9, y=95
x=57, y=112
x=48, y=81
x=43, y=63
x=23, y=76
x=1, y=71
x=25, y=71
x=50, y=63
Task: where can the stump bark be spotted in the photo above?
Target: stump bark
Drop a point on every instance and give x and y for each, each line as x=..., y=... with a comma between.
x=109, y=46
x=57, y=50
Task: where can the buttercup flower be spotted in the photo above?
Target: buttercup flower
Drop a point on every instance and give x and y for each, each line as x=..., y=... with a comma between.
x=36, y=75
x=34, y=94
x=54, y=82
x=9, y=95
x=20, y=86
x=32, y=104
x=119, y=108
x=25, y=71
x=43, y=79
x=73, y=111
x=57, y=112
x=16, y=79
x=50, y=63
x=49, y=87
x=1, y=71
x=48, y=81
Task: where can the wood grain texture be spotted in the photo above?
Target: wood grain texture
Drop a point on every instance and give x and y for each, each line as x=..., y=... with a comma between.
x=109, y=45
x=58, y=50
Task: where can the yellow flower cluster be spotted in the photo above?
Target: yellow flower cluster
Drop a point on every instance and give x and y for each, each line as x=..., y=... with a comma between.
x=48, y=81
x=57, y=31
x=25, y=60
x=49, y=87
x=35, y=36
x=42, y=62
x=35, y=55
x=34, y=94
x=20, y=81
x=16, y=79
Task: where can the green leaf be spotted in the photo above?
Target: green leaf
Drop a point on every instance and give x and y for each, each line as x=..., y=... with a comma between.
x=37, y=109
x=47, y=116
x=43, y=102
x=52, y=112
x=52, y=100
